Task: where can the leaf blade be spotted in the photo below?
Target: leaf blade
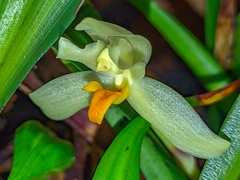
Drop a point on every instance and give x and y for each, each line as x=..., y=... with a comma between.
x=227, y=165
x=43, y=23
x=210, y=23
x=38, y=152
x=121, y=160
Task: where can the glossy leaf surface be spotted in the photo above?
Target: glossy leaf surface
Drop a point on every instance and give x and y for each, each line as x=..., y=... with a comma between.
x=39, y=153
x=27, y=30
x=121, y=160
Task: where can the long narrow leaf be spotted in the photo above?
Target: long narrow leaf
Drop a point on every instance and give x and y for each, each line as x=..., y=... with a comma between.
x=121, y=160
x=235, y=65
x=227, y=165
x=210, y=22
x=27, y=29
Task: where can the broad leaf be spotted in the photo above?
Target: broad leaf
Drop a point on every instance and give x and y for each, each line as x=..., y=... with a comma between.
x=38, y=152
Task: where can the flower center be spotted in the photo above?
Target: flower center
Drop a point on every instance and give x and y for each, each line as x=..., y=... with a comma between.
x=106, y=64
x=102, y=99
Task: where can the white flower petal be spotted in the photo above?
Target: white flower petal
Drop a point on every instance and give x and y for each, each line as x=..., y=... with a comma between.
x=100, y=30
x=87, y=56
x=63, y=96
x=168, y=111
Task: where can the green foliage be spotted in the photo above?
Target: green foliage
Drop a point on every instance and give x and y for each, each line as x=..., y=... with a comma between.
x=235, y=65
x=156, y=162
x=227, y=165
x=31, y=27
x=187, y=46
x=211, y=14
x=39, y=153
x=121, y=160
x=28, y=29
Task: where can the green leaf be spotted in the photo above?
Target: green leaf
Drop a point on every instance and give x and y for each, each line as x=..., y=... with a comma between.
x=210, y=22
x=154, y=155
x=185, y=44
x=156, y=162
x=227, y=165
x=121, y=160
x=28, y=28
x=235, y=65
x=39, y=153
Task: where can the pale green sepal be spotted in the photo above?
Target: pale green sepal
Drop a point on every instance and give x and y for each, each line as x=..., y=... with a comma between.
x=99, y=30
x=168, y=111
x=121, y=52
x=63, y=96
x=138, y=71
x=87, y=56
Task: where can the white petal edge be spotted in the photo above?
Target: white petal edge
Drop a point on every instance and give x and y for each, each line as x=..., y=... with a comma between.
x=97, y=29
x=87, y=56
x=100, y=30
x=63, y=96
x=170, y=114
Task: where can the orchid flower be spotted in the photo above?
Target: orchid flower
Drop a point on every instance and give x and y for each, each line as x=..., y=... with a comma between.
x=117, y=59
